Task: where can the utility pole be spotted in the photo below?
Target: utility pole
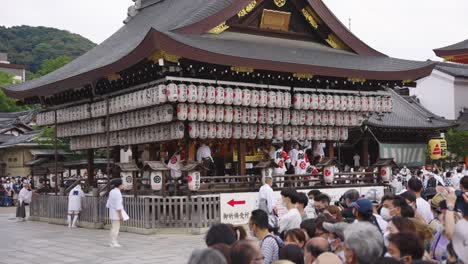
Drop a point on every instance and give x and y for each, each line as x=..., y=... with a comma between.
x=349, y=24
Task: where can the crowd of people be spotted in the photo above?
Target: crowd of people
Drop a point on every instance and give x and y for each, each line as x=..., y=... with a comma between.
x=10, y=188
x=421, y=223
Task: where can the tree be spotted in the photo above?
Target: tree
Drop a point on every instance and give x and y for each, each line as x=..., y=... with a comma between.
x=457, y=143
x=51, y=65
x=8, y=104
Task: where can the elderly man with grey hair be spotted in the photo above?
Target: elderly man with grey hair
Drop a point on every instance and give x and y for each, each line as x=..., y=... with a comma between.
x=363, y=243
x=207, y=256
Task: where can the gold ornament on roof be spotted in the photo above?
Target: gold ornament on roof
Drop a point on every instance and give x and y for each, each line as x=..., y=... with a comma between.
x=113, y=77
x=219, y=28
x=241, y=69
x=247, y=9
x=302, y=75
x=280, y=3
x=356, y=79
x=335, y=42
x=309, y=18
x=161, y=54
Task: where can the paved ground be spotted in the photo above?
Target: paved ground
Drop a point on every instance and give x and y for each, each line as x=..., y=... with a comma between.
x=34, y=242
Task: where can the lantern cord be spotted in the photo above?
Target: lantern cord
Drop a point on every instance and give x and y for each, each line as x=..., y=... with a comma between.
x=373, y=135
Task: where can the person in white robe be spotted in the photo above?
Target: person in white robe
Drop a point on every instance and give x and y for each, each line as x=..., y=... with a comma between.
x=74, y=205
x=117, y=213
x=24, y=199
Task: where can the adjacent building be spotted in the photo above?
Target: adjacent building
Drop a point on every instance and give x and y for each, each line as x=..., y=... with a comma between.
x=18, y=71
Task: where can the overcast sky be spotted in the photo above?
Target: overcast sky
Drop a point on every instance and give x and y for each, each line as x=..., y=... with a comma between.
x=400, y=28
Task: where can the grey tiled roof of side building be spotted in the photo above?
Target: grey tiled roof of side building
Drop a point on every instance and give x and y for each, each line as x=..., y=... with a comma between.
x=454, y=69
x=459, y=45
x=28, y=137
x=409, y=114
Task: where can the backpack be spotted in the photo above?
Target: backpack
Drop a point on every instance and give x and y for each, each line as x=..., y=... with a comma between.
x=279, y=242
x=432, y=182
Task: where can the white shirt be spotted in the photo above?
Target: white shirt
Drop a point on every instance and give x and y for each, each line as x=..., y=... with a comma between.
x=115, y=203
x=356, y=159
x=456, y=180
x=318, y=150
x=293, y=155
x=381, y=222
x=280, y=158
x=424, y=209
x=203, y=152
x=292, y=219
x=266, y=192
x=25, y=196
x=300, y=163
x=74, y=198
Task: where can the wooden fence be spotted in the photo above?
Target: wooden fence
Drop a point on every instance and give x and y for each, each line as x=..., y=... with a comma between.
x=145, y=212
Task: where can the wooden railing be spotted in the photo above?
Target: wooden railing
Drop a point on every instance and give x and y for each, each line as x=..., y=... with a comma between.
x=149, y=212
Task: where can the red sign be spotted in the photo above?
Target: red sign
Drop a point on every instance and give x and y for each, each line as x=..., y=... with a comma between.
x=327, y=173
x=436, y=150
x=383, y=172
x=233, y=202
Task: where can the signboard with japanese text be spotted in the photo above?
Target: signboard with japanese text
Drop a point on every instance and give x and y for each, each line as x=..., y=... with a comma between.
x=236, y=207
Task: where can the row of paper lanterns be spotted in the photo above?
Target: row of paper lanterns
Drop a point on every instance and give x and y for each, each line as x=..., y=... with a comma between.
x=165, y=132
x=211, y=95
x=249, y=115
x=202, y=130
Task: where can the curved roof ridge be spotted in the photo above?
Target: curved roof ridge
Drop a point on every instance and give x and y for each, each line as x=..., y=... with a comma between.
x=454, y=49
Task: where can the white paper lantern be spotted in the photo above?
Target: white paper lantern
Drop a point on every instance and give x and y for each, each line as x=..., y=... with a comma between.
x=297, y=101
x=254, y=98
x=193, y=130
x=324, y=133
x=309, y=133
x=317, y=133
x=245, y=115
x=365, y=104
x=295, y=133
x=322, y=102
x=343, y=133
x=261, y=132
x=201, y=94
x=309, y=118
x=177, y=131
x=246, y=97
x=219, y=114
x=270, y=117
x=302, y=117
x=228, y=114
x=269, y=132
x=262, y=115
x=210, y=113
x=346, y=120
x=357, y=103
x=279, y=99
x=330, y=102
x=331, y=118
x=278, y=132
x=201, y=113
x=252, y=131
x=324, y=118
x=278, y=116
x=378, y=104
x=212, y=130
x=182, y=112
x=287, y=133
x=305, y=101
x=237, y=98
x=286, y=116
x=245, y=131
x=371, y=107
x=353, y=117
x=210, y=95
x=227, y=130
x=220, y=130
x=237, y=115
x=350, y=103
x=302, y=133
x=317, y=118
x=336, y=102
x=295, y=116
x=263, y=98
x=339, y=120
x=229, y=96
x=314, y=102
x=271, y=99
x=192, y=93
x=286, y=100
x=219, y=95
x=172, y=92
x=343, y=103
x=182, y=93
x=384, y=104
x=253, y=115
x=237, y=131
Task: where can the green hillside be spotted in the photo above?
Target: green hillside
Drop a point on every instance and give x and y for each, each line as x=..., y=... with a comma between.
x=32, y=46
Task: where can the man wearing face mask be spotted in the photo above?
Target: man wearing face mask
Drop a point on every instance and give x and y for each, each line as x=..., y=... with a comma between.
x=336, y=238
x=311, y=205
x=322, y=201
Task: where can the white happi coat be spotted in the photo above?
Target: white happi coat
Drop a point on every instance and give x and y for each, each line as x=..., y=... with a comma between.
x=175, y=164
x=74, y=198
x=301, y=162
x=280, y=157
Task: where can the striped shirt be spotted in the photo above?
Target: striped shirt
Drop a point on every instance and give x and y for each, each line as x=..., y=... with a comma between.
x=270, y=249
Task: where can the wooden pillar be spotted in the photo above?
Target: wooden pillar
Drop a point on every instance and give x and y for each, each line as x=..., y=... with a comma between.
x=135, y=154
x=90, y=168
x=331, y=150
x=153, y=152
x=241, y=153
x=192, y=150
x=365, y=151
x=116, y=158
